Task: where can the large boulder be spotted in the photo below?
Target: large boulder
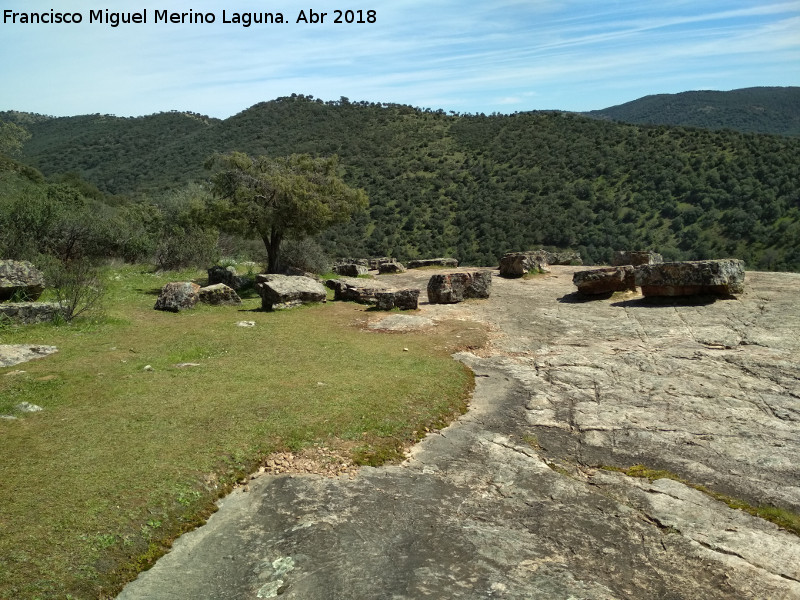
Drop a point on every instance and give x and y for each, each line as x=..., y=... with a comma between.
x=403, y=299
x=219, y=294
x=178, y=295
x=279, y=292
x=636, y=258
x=362, y=291
x=448, y=263
x=390, y=266
x=517, y=264
x=721, y=277
x=227, y=275
x=602, y=281
x=20, y=280
x=457, y=287
x=350, y=269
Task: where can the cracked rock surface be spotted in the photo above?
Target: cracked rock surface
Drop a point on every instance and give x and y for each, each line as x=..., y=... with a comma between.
x=509, y=502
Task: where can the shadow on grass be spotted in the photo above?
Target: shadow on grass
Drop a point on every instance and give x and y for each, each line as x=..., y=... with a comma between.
x=151, y=292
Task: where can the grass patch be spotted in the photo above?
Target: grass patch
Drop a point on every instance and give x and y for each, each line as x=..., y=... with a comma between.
x=121, y=460
x=534, y=274
x=781, y=517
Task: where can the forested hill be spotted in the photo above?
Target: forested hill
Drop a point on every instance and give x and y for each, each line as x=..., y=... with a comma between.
x=750, y=110
x=475, y=186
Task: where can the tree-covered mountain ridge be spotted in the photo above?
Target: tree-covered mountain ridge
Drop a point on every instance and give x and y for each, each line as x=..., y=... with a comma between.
x=773, y=110
x=472, y=186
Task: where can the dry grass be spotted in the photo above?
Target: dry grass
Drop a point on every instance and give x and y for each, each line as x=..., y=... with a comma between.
x=122, y=460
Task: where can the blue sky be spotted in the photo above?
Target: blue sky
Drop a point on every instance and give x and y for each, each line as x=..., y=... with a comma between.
x=464, y=56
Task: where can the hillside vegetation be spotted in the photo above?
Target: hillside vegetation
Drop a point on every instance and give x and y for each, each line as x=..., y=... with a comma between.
x=470, y=186
x=750, y=110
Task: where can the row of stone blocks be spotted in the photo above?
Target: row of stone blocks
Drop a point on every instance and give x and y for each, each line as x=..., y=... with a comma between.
x=386, y=266
x=717, y=277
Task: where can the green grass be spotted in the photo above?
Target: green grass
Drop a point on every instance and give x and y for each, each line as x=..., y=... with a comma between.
x=122, y=460
x=781, y=517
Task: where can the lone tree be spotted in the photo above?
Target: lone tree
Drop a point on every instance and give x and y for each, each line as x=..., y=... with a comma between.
x=280, y=198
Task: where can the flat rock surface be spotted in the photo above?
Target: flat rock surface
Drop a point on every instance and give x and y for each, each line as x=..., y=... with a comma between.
x=510, y=502
x=14, y=354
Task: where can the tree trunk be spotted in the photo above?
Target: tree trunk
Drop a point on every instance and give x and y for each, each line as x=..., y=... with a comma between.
x=273, y=243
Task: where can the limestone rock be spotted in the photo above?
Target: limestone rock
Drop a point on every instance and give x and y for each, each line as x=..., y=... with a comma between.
x=362, y=291
x=397, y=322
x=227, y=275
x=20, y=278
x=14, y=354
x=403, y=299
x=27, y=313
x=391, y=266
x=722, y=277
x=363, y=262
x=636, y=258
x=450, y=263
x=457, y=287
x=516, y=264
x=601, y=281
x=279, y=292
x=219, y=294
x=350, y=270
x=177, y=296
x=376, y=262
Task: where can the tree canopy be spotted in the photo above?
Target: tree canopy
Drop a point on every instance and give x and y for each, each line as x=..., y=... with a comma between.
x=281, y=197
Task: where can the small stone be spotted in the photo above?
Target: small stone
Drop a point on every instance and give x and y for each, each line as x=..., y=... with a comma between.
x=246, y=324
x=182, y=365
x=27, y=407
x=405, y=349
x=148, y=368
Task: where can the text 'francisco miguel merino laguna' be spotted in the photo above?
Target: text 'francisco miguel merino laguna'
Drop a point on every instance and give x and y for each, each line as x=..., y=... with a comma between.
x=245, y=19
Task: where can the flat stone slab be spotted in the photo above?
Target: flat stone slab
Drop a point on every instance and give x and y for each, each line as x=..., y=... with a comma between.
x=363, y=291
x=402, y=323
x=279, y=292
x=14, y=354
x=450, y=263
x=636, y=258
